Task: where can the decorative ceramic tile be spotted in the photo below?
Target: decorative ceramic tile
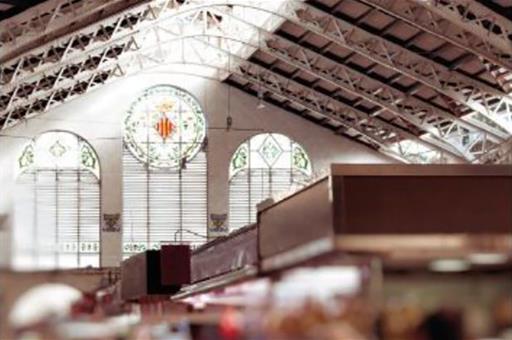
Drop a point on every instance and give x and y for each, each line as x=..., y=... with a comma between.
x=218, y=222
x=111, y=223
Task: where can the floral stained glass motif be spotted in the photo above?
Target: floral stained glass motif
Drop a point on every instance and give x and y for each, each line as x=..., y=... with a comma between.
x=264, y=165
x=301, y=160
x=27, y=157
x=272, y=151
x=57, y=208
x=240, y=158
x=88, y=157
x=58, y=150
x=164, y=127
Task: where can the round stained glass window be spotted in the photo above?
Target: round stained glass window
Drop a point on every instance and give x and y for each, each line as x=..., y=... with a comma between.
x=164, y=127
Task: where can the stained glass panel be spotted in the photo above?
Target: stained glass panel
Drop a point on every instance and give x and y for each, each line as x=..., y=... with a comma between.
x=164, y=171
x=164, y=127
x=58, y=150
x=270, y=150
x=262, y=166
x=57, y=209
x=26, y=159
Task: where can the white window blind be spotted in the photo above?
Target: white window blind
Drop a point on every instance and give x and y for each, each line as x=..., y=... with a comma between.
x=263, y=166
x=57, y=217
x=164, y=171
x=163, y=205
x=57, y=208
x=251, y=186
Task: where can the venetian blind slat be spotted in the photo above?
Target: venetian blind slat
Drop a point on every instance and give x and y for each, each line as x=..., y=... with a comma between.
x=58, y=216
x=163, y=205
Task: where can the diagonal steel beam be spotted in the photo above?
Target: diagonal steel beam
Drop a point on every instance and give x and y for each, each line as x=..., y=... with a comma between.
x=331, y=108
x=439, y=144
x=371, y=129
x=444, y=129
x=103, y=54
x=53, y=19
x=475, y=18
x=452, y=132
x=430, y=21
x=477, y=96
x=378, y=131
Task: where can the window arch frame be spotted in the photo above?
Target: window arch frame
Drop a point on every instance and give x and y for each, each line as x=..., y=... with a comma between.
x=197, y=160
x=33, y=141
x=190, y=99
x=245, y=168
x=85, y=153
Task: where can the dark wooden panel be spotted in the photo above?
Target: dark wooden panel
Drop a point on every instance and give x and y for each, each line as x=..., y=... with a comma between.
x=133, y=277
x=154, y=275
x=175, y=264
x=425, y=204
x=226, y=254
x=300, y=218
x=141, y=276
x=391, y=199
x=416, y=170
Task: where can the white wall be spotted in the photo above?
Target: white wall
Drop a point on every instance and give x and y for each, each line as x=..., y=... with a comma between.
x=97, y=117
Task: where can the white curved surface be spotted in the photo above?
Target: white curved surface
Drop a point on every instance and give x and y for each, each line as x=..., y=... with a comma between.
x=43, y=302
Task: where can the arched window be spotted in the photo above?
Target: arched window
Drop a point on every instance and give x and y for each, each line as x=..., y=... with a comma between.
x=57, y=210
x=262, y=166
x=164, y=171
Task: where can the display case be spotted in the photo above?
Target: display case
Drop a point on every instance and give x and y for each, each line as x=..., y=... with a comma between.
x=236, y=251
x=448, y=210
x=155, y=272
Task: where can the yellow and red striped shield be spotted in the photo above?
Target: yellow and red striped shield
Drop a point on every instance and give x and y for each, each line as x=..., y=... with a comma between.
x=164, y=127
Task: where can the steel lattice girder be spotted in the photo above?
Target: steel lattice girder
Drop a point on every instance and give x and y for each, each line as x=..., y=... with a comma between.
x=102, y=33
x=459, y=134
x=29, y=76
x=93, y=81
x=465, y=90
x=476, y=95
x=380, y=132
x=427, y=20
x=454, y=131
x=49, y=20
x=372, y=130
x=502, y=155
x=475, y=18
x=107, y=37
x=453, y=134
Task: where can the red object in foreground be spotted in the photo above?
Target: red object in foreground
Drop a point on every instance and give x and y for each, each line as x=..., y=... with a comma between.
x=85, y=305
x=229, y=325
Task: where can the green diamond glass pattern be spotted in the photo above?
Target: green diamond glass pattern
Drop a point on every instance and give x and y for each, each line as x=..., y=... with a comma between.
x=88, y=157
x=270, y=150
x=265, y=165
